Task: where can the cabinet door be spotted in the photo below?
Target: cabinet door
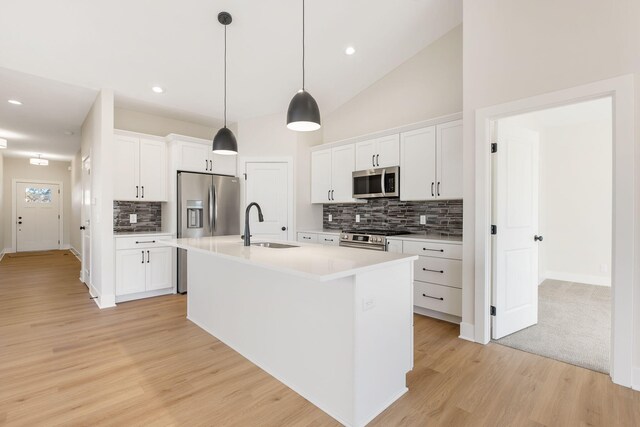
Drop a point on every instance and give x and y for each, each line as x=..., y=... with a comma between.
x=130, y=271
x=153, y=170
x=366, y=155
x=449, y=163
x=342, y=166
x=158, y=264
x=126, y=173
x=194, y=157
x=320, y=176
x=394, y=246
x=329, y=239
x=388, y=151
x=418, y=164
x=223, y=164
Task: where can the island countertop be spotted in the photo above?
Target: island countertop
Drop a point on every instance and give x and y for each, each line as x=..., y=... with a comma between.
x=313, y=261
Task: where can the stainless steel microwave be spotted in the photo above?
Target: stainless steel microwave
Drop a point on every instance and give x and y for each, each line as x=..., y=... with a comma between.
x=372, y=183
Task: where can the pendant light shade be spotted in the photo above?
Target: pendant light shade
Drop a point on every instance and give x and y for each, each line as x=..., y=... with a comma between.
x=303, y=114
x=225, y=141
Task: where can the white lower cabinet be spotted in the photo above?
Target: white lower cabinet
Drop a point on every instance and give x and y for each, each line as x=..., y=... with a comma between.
x=144, y=267
x=437, y=286
x=331, y=239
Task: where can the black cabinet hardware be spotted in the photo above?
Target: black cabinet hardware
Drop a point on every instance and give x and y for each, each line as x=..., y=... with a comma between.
x=432, y=193
x=206, y=164
x=143, y=191
x=147, y=257
x=373, y=160
x=537, y=238
x=438, y=188
x=136, y=191
x=433, y=250
x=284, y=229
x=429, y=296
x=82, y=227
x=433, y=271
x=142, y=257
x=145, y=241
x=377, y=159
x=332, y=198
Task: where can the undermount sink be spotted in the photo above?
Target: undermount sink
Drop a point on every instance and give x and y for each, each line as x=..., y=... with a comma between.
x=274, y=245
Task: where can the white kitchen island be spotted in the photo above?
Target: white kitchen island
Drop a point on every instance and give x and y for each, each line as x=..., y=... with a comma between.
x=334, y=324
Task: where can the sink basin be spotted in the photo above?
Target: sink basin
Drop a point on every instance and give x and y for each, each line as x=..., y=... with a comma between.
x=274, y=245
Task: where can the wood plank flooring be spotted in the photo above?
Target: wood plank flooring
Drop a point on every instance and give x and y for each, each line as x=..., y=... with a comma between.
x=65, y=362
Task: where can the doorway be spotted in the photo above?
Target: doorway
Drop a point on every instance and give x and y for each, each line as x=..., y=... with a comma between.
x=85, y=218
x=268, y=183
x=38, y=215
x=552, y=179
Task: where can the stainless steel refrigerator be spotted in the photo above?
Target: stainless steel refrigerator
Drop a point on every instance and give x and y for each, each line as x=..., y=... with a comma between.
x=208, y=205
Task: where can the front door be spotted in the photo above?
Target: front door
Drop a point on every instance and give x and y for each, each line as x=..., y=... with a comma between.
x=515, y=256
x=37, y=216
x=268, y=185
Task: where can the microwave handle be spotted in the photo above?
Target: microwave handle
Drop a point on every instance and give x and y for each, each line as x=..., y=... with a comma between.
x=384, y=172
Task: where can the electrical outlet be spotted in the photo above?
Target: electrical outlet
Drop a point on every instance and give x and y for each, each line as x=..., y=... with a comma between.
x=423, y=219
x=330, y=218
x=133, y=218
x=357, y=218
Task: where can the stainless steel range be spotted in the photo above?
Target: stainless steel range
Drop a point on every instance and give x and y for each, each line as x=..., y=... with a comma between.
x=367, y=239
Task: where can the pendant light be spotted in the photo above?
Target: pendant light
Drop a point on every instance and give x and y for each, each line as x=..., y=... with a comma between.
x=225, y=141
x=303, y=114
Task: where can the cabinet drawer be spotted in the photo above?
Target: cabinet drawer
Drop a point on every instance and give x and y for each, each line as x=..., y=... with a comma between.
x=137, y=242
x=328, y=239
x=442, y=271
x=308, y=237
x=439, y=298
x=439, y=250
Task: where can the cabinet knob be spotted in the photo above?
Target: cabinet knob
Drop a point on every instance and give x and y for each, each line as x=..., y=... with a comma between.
x=284, y=229
x=537, y=238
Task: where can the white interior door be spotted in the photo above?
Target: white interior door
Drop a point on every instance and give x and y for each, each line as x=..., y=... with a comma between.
x=268, y=185
x=37, y=216
x=85, y=216
x=515, y=252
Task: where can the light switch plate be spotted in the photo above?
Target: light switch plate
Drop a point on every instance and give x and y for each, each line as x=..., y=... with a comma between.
x=423, y=219
x=357, y=218
x=133, y=218
x=330, y=218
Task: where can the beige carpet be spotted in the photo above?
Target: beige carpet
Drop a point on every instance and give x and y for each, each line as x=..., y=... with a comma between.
x=574, y=325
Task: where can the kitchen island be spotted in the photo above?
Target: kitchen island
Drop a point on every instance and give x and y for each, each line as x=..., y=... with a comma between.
x=334, y=324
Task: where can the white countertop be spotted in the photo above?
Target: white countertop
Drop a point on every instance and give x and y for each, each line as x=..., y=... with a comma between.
x=320, y=231
x=318, y=262
x=140, y=233
x=427, y=237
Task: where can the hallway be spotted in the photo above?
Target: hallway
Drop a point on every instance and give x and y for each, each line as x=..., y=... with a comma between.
x=65, y=362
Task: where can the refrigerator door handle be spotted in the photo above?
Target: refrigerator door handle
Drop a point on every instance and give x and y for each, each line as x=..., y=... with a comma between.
x=211, y=208
x=215, y=209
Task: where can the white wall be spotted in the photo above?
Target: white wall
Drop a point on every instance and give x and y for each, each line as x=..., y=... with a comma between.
x=97, y=140
x=1, y=203
x=518, y=49
x=20, y=168
x=151, y=124
x=268, y=136
x=426, y=86
x=76, y=199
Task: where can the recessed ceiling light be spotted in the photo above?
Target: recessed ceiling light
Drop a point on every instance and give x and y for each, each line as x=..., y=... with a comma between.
x=157, y=89
x=3, y=143
x=14, y=102
x=350, y=50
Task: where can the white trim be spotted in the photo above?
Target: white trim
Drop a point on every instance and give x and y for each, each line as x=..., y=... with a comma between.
x=446, y=317
x=467, y=331
x=586, y=279
x=145, y=294
x=291, y=212
x=392, y=131
x=624, y=239
x=636, y=378
x=14, y=208
x=2, y=254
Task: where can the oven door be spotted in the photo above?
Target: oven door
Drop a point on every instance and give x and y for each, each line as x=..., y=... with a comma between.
x=362, y=246
x=371, y=183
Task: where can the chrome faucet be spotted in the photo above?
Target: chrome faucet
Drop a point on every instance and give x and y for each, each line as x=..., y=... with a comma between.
x=247, y=232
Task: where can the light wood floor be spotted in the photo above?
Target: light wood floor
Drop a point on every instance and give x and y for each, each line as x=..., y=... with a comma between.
x=65, y=362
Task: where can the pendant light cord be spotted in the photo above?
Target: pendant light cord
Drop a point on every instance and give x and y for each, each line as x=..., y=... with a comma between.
x=225, y=76
x=302, y=44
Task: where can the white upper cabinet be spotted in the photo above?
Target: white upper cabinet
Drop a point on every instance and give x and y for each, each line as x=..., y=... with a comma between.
x=140, y=169
x=431, y=163
x=197, y=156
x=331, y=177
x=418, y=164
x=449, y=152
x=321, y=176
x=378, y=153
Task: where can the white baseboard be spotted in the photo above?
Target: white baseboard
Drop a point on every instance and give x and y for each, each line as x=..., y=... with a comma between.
x=102, y=301
x=635, y=384
x=436, y=315
x=467, y=331
x=75, y=252
x=578, y=278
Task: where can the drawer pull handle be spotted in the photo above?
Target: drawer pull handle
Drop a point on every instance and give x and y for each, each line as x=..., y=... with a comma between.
x=145, y=241
x=429, y=296
x=433, y=271
x=328, y=240
x=433, y=250
x=308, y=238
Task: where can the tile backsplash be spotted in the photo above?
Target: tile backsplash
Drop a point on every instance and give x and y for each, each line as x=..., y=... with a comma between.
x=444, y=217
x=149, y=216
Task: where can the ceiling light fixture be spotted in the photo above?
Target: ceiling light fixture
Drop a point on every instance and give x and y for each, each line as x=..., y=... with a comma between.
x=350, y=50
x=3, y=143
x=14, y=102
x=225, y=141
x=39, y=161
x=157, y=89
x=69, y=132
x=303, y=114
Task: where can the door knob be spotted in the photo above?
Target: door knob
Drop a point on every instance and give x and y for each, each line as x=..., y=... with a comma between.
x=537, y=238
x=19, y=222
x=284, y=228
x=82, y=227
